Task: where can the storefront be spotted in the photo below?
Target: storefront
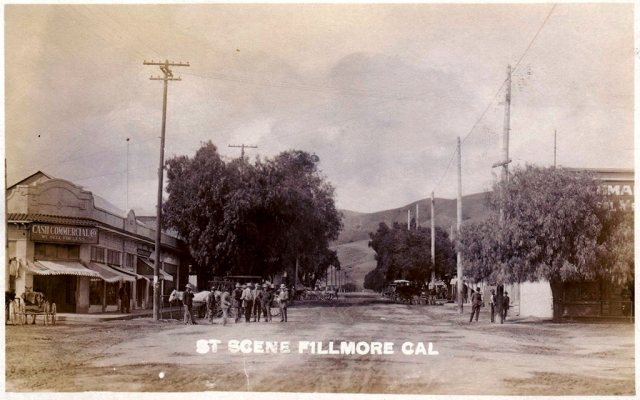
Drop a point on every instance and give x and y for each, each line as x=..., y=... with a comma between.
x=79, y=251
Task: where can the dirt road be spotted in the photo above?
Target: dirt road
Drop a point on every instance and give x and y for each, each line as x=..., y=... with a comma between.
x=521, y=357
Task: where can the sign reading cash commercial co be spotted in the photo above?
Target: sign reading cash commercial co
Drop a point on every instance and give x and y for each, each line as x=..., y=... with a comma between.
x=63, y=233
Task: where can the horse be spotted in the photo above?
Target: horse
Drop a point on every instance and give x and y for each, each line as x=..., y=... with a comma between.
x=176, y=297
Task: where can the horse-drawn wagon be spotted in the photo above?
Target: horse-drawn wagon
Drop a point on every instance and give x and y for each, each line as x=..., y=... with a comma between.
x=30, y=304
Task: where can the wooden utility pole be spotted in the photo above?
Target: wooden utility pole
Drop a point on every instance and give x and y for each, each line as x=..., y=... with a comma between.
x=433, y=241
x=409, y=220
x=505, y=141
x=459, y=224
x=165, y=67
x=555, y=146
x=242, y=146
x=127, y=175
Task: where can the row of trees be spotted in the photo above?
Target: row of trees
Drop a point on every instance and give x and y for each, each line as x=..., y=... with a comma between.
x=403, y=253
x=239, y=218
x=552, y=224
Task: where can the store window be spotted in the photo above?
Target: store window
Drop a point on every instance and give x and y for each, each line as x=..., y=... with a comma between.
x=57, y=251
x=97, y=254
x=96, y=291
x=113, y=257
x=128, y=261
x=112, y=291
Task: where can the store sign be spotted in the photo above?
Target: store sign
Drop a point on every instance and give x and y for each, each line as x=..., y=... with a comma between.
x=63, y=234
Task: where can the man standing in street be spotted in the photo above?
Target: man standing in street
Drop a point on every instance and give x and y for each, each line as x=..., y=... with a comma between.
x=476, y=301
x=237, y=303
x=257, y=302
x=188, y=304
x=505, y=304
x=283, y=298
x=492, y=303
x=247, y=301
x=267, y=297
x=225, y=303
x=211, y=304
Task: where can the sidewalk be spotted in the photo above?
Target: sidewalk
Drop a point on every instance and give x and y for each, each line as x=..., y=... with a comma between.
x=115, y=315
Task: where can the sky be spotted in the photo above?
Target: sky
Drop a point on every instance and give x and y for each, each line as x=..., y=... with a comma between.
x=380, y=93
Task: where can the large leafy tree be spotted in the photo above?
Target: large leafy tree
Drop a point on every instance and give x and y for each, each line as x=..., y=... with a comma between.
x=557, y=225
x=242, y=218
x=406, y=254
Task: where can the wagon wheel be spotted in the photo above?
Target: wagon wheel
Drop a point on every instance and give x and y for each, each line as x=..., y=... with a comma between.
x=23, y=313
x=327, y=296
x=53, y=313
x=46, y=310
x=275, y=311
x=14, y=312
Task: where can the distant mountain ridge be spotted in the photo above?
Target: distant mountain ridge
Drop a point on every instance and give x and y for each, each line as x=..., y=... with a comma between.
x=357, y=225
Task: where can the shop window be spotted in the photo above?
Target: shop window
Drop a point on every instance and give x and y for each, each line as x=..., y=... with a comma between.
x=95, y=292
x=128, y=261
x=113, y=257
x=57, y=251
x=112, y=293
x=97, y=254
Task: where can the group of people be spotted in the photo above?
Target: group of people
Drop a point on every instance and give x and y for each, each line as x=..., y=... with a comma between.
x=253, y=301
x=499, y=304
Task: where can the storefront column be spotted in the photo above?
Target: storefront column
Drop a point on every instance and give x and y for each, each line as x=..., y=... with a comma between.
x=104, y=296
x=134, y=299
x=83, y=287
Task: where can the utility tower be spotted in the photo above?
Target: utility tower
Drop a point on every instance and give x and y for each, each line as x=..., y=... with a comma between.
x=165, y=67
x=242, y=146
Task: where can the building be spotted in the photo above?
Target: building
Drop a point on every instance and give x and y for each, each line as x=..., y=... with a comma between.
x=587, y=298
x=79, y=250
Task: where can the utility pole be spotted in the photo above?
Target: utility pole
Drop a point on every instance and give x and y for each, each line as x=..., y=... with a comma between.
x=459, y=224
x=242, y=146
x=505, y=140
x=555, y=146
x=433, y=241
x=409, y=220
x=127, y=174
x=417, y=216
x=168, y=76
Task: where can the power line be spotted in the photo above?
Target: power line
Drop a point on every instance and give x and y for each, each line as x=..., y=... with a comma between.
x=499, y=90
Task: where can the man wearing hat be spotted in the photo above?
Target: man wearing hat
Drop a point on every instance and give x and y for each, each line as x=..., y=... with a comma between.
x=187, y=299
x=492, y=302
x=267, y=297
x=505, y=304
x=211, y=304
x=225, y=303
x=257, y=302
x=283, y=298
x=237, y=303
x=247, y=301
x=476, y=302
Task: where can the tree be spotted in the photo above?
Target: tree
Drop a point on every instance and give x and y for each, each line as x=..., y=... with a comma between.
x=406, y=254
x=253, y=219
x=557, y=226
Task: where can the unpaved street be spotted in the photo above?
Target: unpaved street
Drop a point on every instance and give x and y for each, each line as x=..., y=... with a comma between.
x=521, y=357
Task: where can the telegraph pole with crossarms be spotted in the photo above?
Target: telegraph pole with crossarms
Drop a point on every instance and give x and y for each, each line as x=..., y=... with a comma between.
x=165, y=67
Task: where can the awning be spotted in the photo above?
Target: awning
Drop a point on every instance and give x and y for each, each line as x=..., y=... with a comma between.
x=40, y=267
x=109, y=274
x=146, y=269
x=127, y=272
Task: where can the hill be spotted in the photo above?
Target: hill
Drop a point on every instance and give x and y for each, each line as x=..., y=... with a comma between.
x=354, y=253
x=357, y=226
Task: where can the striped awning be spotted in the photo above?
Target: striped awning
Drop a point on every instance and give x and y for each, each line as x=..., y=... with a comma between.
x=127, y=272
x=109, y=274
x=146, y=269
x=42, y=267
